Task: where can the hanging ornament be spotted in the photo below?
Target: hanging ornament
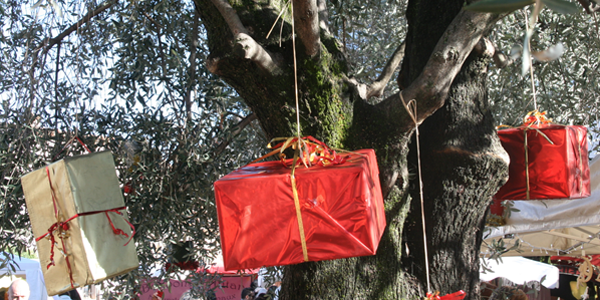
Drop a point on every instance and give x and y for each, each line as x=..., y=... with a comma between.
x=586, y=271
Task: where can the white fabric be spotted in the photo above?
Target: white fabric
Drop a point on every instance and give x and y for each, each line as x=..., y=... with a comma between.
x=520, y=270
x=554, y=227
x=33, y=275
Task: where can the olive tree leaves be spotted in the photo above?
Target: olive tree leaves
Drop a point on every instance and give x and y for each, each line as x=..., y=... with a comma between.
x=507, y=6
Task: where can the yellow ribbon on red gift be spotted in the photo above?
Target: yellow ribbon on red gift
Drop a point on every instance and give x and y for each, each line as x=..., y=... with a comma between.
x=533, y=118
x=536, y=118
x=308, y=151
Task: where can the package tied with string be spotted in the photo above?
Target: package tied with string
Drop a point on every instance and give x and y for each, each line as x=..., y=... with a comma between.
x=547, y=161
x=79, y=220
x=272, y=213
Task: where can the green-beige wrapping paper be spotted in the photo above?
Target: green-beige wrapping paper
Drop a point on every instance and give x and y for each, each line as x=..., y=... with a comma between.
x=95, y=244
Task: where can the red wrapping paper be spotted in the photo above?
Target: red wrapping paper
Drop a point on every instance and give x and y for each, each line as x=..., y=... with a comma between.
x=341, y=206
x=557, y=170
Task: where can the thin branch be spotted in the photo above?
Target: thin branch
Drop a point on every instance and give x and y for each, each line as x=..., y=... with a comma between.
x=56, y=72
x=485, y=47
x=53, y=41
x=246, y=47
x=161, y=51
x=238, y=128
x=359, y=89
x=376, y=89
x=501, y=60
x=589, y=6
x=230, y=16
x=192, y=69
x=323, y=16
x=431, y=87
x=158, y=26
x=306, y=21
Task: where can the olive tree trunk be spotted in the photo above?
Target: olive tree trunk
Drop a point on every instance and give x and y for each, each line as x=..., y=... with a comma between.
x=462, y=161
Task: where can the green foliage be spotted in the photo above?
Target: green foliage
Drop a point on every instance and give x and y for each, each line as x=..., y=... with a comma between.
x=132, y=81
x=567, y=88
x=505, y=6
x=370, y=31
x=498, y=6
x=561, y=6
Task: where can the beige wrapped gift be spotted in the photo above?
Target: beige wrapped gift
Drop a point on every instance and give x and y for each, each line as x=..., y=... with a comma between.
x=85, y=220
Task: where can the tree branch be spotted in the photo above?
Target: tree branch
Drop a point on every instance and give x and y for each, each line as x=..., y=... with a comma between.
x=238, y=128
x=85, y=19
x=487, y=47
x=158, y=26
x=431, y=87
x=306, y=21
x=376, y=89
x=246, y=47
x=192, y=69
x=323, y=16
x=230, y=16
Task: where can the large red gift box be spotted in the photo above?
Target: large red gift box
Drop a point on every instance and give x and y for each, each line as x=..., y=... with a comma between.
x=546, y=162
x=341, y=211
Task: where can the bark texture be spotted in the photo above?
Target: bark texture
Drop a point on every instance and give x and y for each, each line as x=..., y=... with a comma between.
x=461, y=154
x=461, y=158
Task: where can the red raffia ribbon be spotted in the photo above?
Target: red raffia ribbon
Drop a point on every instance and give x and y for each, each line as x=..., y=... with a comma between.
x=308, y=151
x=536, y=118
x=64, y=226
x=454, y=296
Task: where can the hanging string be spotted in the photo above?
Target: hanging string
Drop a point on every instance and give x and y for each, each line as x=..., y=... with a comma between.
x=411, y=108
x=295, y=73
x=532, y=20
x=531, y=76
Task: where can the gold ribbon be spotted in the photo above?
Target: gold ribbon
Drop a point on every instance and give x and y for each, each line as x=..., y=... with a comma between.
x=533, y=118
x=309, y=151
x=536, y=118
x=299, y=217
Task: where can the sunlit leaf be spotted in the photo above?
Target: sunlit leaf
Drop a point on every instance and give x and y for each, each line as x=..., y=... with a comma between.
x=498, y=6
x=37, y=4
x=562, y=6
x=526, y=58
x=549, y=54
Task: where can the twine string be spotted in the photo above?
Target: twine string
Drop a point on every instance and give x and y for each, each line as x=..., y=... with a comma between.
x=411, y=108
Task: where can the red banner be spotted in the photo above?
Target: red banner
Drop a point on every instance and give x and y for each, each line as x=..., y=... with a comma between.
x=230, y=288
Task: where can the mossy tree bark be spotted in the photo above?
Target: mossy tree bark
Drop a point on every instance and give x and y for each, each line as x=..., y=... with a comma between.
x=462, y=160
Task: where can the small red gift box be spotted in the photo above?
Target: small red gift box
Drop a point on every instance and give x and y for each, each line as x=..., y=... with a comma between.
x=341, y=209
x=546, y=162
